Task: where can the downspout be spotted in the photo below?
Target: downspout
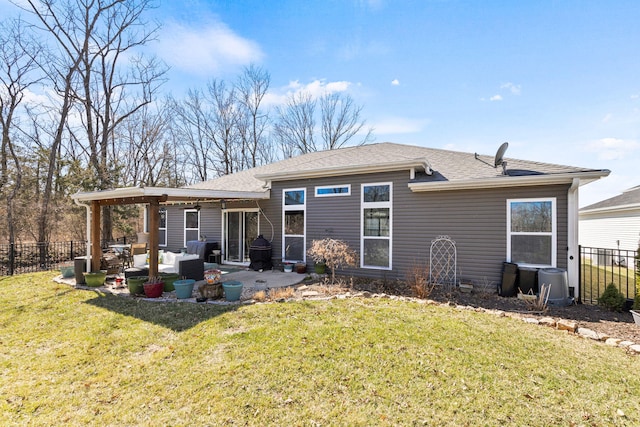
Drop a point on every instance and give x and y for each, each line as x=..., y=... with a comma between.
x=573, y=257
x=88, y=229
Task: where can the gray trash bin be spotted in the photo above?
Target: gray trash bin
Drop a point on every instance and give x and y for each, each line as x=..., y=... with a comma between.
x=79, y=267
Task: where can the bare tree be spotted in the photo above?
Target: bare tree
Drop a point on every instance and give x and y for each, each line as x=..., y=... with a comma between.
x=192, y=125
x=92, y=38
x=18, y=53
x=340, y=118
x=341, y=121
x=295, y=125
x=252, y=86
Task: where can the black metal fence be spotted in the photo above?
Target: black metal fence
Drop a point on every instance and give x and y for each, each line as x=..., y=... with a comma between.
x=21, y=258
x=600, y=266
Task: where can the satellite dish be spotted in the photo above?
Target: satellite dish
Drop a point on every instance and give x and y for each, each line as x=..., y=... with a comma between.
x=500, y=154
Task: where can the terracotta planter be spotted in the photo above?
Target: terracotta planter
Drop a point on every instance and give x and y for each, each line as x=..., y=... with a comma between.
x=154, y=289
x=301, y=268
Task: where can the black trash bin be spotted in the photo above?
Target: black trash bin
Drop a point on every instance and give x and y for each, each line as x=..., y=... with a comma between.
x=528, y=279
x=508, y=286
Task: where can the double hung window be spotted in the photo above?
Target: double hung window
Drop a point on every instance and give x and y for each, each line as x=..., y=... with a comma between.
x=532, y=232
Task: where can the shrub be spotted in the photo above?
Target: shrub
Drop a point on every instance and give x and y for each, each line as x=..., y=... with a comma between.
x=418, y=280
x=334, y=253
x=612, y=298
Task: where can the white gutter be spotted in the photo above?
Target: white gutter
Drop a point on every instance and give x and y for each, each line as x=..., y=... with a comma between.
x=347, y=170
x=173, y=194
x=573, y=255
x=88, y=228
x=508, y=181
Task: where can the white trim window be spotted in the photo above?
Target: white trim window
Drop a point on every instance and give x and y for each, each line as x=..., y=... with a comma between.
x=162, y=227
x=532, y=232
x=294, y=224
x=333, y=190
x=191, y=225
x=376, y=226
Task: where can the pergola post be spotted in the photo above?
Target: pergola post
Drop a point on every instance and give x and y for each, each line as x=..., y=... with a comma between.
x=154, y=225
x=96, y=250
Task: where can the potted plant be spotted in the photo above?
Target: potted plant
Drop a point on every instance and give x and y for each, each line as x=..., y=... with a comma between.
x=134, y=283
x=153, y=287
x=184, y=288
x=319, y=267
x=301, y=267
x=67, y=270
x=95, y=278
x=288, y=267
x=168, y=279
x=232, y=290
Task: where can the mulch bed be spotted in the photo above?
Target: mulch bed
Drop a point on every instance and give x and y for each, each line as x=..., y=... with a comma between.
x=596, y=318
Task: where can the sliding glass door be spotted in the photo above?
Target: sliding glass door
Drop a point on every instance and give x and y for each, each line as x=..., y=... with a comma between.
x=240, y=229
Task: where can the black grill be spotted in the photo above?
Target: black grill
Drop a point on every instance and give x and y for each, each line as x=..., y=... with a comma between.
x=260, y=254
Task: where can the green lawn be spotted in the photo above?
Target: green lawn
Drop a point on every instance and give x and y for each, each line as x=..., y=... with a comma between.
x=595, y=279
x=74, y=357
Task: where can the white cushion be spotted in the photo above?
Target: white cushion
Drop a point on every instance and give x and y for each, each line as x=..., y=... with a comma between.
x=140, y=260
x=169, y=258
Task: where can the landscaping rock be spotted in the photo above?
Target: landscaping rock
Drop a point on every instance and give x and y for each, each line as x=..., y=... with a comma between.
x=588, y=333
x=614, y=342
x=531, y=320
x=548, y=321
x=567, y=325
x=625, y=344
x=635, y=348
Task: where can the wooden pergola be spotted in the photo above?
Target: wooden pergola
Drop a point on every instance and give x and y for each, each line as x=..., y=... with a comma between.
x=153, y=197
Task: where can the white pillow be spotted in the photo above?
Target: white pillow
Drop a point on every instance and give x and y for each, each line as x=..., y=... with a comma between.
x=140, y=260
x=169, y=258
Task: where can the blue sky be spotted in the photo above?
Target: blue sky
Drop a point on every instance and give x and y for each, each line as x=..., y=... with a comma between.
x=558, y=80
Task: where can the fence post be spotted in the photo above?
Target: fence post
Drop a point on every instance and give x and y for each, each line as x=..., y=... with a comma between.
x=12, y=259
x=581, y=264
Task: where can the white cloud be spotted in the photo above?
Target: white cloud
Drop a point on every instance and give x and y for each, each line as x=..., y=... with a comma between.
x=496, y=98
x=395, y=82
x=607, y=118
x=613, y=148
x=395, y=125
x=202, y=51
x=316, y=89
x=514, y=89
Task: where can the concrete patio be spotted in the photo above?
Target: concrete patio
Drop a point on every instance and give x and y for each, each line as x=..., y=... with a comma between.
x=253, y=281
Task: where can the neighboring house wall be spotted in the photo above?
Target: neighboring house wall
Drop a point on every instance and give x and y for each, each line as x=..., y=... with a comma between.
x=607, y=230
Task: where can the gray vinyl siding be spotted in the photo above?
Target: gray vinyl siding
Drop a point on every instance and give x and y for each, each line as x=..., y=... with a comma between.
x=475, y=219
x=210, y=227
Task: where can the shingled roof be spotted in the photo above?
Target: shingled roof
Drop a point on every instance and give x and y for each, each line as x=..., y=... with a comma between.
x=435, y=166
x=629, y=199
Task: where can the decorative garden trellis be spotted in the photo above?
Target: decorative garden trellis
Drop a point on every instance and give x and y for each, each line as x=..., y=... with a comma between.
x=443, y=263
